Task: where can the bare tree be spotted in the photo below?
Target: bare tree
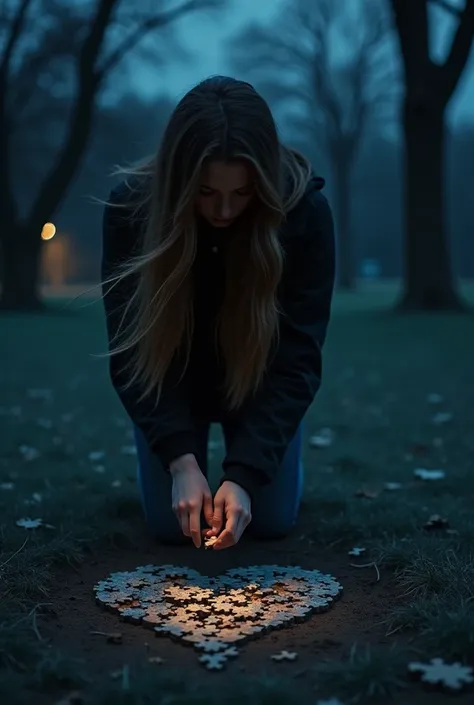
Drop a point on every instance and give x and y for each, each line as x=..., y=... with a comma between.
x=429, y=86
x=331, y=96
x=69, y=29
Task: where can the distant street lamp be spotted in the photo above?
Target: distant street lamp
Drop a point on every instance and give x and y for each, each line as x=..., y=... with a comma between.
x=49, y=231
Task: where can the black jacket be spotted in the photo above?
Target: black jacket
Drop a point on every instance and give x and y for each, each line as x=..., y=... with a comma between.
x=264, y=426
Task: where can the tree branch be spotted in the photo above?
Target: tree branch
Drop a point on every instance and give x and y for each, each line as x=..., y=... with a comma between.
x=15, y=34
x=460, y=49
x=80, y=126
x=445, y=5
x=150, y=23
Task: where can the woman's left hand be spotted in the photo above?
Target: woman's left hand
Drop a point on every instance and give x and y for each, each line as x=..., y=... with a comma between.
x=232, y=505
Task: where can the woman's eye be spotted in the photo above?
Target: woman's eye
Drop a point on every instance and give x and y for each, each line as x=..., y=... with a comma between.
x=205, y=193
x=244, y=193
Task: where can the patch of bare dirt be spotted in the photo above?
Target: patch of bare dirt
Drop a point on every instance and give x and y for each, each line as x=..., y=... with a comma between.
x=355, y=617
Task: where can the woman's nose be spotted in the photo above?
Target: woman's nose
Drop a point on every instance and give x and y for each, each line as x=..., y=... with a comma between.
x=225, y=210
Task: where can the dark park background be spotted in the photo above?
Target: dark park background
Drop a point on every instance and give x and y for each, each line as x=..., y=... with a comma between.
x=380, y=95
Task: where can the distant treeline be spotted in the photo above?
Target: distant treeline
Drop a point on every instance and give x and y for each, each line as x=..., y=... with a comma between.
x=132, y=129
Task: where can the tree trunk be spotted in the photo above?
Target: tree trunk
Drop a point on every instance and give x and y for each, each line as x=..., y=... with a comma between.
x=21, y=266
x=428, y=283
x=342, y=208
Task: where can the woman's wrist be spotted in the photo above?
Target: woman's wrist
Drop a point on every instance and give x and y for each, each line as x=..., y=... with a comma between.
x=185, y=463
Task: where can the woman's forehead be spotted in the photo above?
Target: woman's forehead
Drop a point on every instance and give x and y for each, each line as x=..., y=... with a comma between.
x=218, y=172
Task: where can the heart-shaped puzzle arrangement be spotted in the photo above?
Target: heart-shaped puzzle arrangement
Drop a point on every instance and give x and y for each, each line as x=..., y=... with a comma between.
x=214, y=614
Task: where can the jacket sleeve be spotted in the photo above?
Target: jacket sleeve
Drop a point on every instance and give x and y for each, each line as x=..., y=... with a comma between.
x=262, y=429
x=168, y=426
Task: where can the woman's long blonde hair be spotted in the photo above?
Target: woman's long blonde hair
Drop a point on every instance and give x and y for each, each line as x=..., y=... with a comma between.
x=225, y=119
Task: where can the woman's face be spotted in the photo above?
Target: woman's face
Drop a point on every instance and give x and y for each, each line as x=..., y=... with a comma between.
x=225, y=191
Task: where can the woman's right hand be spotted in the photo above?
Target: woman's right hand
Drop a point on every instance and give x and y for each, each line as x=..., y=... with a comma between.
x=190, y=494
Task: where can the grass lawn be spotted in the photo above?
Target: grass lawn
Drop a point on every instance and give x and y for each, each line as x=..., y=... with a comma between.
x=398, y=395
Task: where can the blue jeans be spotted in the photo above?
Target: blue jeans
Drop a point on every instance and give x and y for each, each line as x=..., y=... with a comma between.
x=274, y=509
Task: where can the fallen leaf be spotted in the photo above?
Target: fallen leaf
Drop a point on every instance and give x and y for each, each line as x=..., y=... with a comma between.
x=356, y=551
x=323, y=439
x=29, y=523
x=442, y=417
x=424, y=474
x=436, y=522
x=96, y=455
x=391, y=486
x=434, y=398
x=29, y=453
x=128, y=450
x=116, y=483
x=36, y=498
x=368, y=494
x=7, y=485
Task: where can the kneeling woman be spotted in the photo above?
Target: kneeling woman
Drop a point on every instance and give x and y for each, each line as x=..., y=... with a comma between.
x=217, y=275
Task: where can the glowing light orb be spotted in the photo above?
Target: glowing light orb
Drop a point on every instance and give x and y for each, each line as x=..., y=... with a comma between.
x=48, y=232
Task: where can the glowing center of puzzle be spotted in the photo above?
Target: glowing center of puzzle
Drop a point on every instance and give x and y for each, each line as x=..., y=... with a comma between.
x=213, y=614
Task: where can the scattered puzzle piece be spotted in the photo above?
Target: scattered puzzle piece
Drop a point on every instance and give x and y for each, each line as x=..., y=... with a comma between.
x=213, y=662
x=356, y=551
x=156, y=659
x=451, y=676
x=285, y=656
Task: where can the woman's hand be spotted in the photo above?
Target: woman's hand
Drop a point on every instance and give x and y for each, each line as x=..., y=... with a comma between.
x=190, y=494
x=232, y=504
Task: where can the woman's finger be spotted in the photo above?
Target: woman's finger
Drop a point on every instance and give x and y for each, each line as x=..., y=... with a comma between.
x=183, y=517
x=227, y=537
x=225, y=540
x=195, y=525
